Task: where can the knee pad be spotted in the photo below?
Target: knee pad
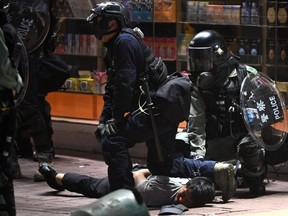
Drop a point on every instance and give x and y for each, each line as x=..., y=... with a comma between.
x=252, y=157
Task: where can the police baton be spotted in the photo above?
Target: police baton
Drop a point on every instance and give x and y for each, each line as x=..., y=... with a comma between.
x=153, y=124
x=16, y=55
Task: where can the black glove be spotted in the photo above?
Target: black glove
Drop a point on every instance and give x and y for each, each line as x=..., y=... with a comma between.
x=100, y=131
x=73, y=73
x=111, y=127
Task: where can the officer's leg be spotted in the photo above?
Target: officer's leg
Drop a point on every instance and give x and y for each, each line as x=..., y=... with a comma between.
x=8, y=144
x=116, y=156
x=35, y=124
x=36, y=128
x=7, y=198
x=168, y=148
x=24, y=146
x=221, y=149
x=23, y=138
x=48, y=122
x=135, y=129
x=253, y=168
x=141, y=131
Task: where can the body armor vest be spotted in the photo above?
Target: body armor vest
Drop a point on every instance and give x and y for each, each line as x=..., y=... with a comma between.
x=226, y=112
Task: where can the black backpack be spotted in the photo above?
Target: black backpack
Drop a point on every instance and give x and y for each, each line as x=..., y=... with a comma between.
x=170, y=94
x=173, y=98
x=155, y=69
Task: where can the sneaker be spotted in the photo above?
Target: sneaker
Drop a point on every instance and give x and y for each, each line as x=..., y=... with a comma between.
x=49, y=175
x=224, y=176
x=38, y=177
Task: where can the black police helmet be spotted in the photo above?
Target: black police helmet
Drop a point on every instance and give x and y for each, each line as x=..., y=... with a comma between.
x=205, y=49
x=108, y=10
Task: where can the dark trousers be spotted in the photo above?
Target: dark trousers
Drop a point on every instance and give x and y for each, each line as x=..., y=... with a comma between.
x=7, y=198
x=35, y=121
x=7, y=168
x=136, y=129
x=34, y=112
x=86, y=185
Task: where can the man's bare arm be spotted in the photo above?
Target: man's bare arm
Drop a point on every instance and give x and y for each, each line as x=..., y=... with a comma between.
x=140, y=176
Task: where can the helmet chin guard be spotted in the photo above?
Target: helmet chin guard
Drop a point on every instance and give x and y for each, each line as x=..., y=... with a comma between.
x=263, y=110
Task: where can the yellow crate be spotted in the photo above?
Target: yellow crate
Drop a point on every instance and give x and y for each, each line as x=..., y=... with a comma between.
x=86, y=85
x=71, y=84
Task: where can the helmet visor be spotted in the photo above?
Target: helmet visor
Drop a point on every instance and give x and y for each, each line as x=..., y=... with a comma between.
x=200, y=59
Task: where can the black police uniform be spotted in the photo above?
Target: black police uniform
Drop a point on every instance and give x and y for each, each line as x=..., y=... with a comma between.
x=125, y=62
x=9, y=167
x=7, y=163
x=34, y=112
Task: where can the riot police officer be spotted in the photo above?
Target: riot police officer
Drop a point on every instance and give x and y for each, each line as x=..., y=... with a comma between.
x=122, y=124
x=218, y=76
x=34, y=112
x=124, y=61
x=10, y=85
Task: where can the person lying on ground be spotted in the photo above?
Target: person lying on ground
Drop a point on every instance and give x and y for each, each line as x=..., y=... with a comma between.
x=191, y=192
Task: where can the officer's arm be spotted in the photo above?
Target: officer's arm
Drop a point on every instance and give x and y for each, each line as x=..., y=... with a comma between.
x=125, y=76
x=9, y=77
x=194, y=134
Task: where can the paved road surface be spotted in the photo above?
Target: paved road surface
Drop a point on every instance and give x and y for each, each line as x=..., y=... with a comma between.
x=37, y=199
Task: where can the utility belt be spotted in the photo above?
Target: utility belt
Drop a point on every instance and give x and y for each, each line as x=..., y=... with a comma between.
x=223, y=127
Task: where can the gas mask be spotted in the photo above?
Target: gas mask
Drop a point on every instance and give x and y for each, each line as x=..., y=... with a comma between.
x=218, y=74
x=100, y=28
x=206, y=81
x=201, y=63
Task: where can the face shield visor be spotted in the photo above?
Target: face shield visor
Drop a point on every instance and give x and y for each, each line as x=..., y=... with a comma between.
x=200, y=59
x=100, y=25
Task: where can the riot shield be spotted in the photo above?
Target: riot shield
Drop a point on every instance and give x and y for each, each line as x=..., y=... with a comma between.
x=263, y=111
x=31, y=20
